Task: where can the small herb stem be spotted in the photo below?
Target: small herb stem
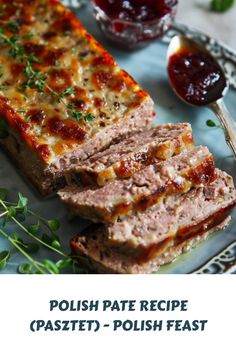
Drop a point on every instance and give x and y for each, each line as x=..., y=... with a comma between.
x=40, y=218
x=22, y=251
x=31, y=235
x=5, y=212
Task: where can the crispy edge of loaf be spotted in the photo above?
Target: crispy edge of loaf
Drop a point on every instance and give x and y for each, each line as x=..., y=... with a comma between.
x=99, y=266
x=48, y=179
x=134, y=161
x=203, y=172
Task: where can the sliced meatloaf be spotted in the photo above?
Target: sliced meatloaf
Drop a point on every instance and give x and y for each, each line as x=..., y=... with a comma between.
x=78, y=102
x=122, y=160
x=144, y=189
x=143, y=242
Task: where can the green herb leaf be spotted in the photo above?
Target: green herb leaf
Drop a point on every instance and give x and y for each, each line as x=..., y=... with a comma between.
x=29, y=35
x=4, y=256
x=54, y=225
x=221, y=5
x=67, y=92
x=64, y=263
x=51, y=266
x=25, y=268
x=74, y=50
x=11, y=211
x=16, y=236
x=14, y=213
x=56, y=244
x=22, y=202
x=210, y=123
x=33, y=229
x=13, y=25
x=89, y=117
x=3, y=6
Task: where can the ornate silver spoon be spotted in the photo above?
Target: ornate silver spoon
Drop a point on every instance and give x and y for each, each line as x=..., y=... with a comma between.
x=197, y=78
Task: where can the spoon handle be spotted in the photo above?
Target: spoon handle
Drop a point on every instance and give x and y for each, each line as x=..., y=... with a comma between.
x=227, y=122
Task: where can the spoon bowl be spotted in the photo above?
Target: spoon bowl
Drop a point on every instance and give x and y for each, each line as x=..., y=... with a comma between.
x=197, y=78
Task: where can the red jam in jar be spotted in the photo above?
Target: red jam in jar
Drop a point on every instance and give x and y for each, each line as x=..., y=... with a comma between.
x=196, y=77
x=134, y=23
x=135, y=10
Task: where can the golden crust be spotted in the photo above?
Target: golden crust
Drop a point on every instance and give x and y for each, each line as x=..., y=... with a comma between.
x=69, y=57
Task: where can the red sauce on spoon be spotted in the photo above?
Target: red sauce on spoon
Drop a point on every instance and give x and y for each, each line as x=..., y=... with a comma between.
x=196, y=77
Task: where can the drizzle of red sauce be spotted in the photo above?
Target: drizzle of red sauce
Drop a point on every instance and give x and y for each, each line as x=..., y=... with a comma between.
x=197, y=77
x=66, y=130
x=135, y=10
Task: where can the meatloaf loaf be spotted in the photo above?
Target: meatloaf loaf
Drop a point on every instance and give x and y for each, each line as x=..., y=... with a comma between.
x=144, y=241
x=122, y=160
x=62, y=95
x=144, y=189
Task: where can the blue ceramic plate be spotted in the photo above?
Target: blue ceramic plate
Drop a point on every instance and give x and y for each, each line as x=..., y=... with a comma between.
x=148, y=67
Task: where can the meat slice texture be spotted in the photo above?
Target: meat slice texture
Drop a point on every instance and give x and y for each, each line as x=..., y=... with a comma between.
x=122, y=160
x=84, y=103
x=144, y=241
x=144, y=189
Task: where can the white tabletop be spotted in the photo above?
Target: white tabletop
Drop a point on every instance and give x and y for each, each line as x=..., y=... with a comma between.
x=221, y=26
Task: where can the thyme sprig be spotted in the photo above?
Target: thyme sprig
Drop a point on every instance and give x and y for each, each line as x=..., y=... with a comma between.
x=36, y=79
x=40, y=233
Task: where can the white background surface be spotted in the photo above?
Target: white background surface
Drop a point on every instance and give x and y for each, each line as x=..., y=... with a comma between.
x=221, y=26
x=19, y=307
